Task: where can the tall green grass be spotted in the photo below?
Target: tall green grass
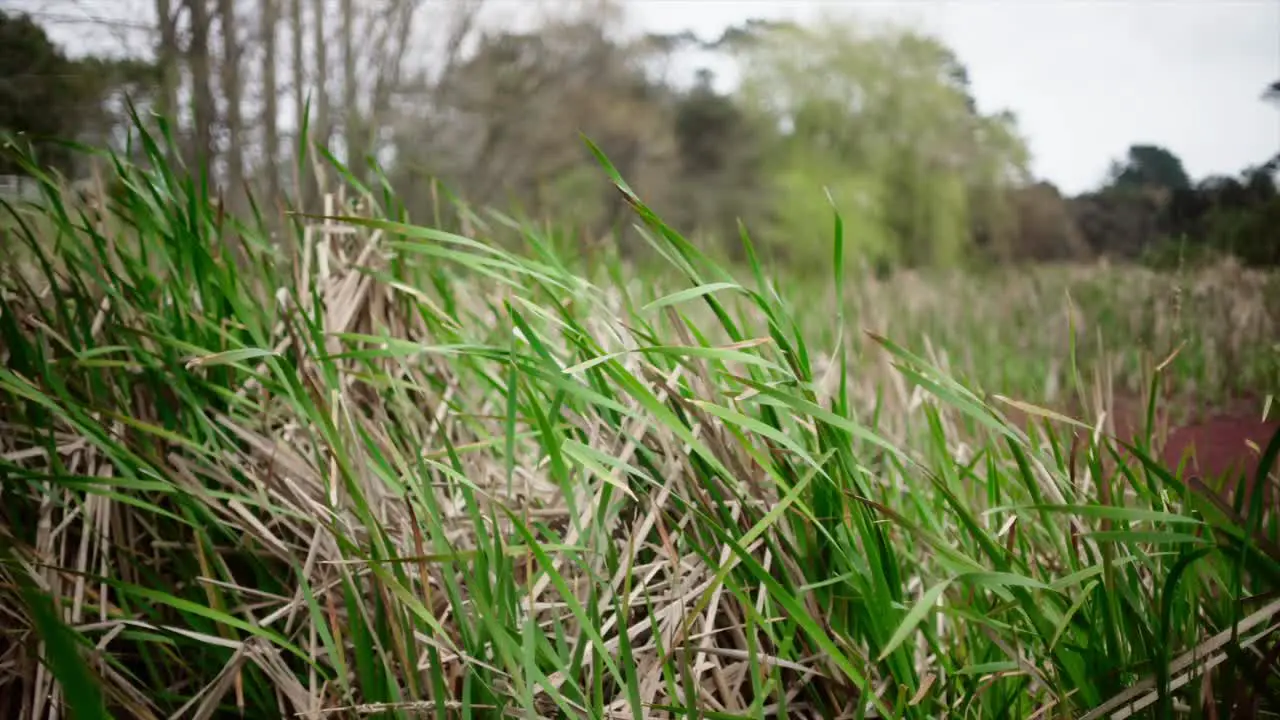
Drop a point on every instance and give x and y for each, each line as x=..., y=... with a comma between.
x=404, y=472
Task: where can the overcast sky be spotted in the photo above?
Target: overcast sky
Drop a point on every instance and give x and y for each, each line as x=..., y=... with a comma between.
x=1086, y=78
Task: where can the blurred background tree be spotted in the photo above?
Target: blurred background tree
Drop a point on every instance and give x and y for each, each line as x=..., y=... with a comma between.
x=47, y=98
x=878, y=119
x=34, y=76
x=881, y=119
x=515, y=107
x=1272, y=93
x=721, y=152
x=1150, y=167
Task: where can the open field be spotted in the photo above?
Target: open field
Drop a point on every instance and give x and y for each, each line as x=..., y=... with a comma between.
x=389, y=470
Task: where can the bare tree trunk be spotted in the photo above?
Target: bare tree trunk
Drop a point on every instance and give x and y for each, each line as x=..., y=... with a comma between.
x=231, y=90
x=201, y=152
x=270, y=109
x=300, y=181
x=324, y=122
x=167, y=56
x=400, y=16
x=352, y=132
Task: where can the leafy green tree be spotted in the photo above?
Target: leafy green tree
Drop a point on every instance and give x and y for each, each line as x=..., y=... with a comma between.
x=1121, y=225
x=36, y=80
x=719, y=152
x=883, y=121
x=1233, y=215
x=47, y=98
x=1147, y=199
x=1150, y=167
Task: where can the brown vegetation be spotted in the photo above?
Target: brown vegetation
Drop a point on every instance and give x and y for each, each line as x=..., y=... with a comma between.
x=1213, y=447
x=1224, y=448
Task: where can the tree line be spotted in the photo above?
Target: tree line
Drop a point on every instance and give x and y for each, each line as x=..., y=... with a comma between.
x=876, y=120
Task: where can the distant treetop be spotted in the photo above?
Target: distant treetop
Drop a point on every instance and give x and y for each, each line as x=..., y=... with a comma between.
x=1150, y=167
x=1272, y=93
